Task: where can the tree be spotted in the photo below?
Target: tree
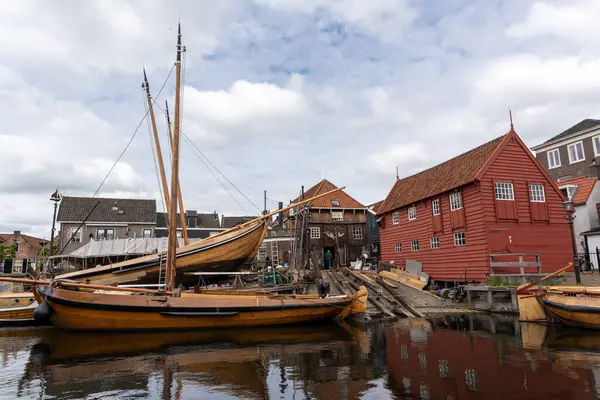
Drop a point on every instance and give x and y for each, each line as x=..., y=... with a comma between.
x=45, y=250
x=8, y=251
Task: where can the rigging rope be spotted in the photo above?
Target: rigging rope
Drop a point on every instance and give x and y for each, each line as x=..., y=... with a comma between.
x=134, y=133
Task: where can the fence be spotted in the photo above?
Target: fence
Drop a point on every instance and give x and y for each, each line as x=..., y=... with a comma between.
x=589, y=261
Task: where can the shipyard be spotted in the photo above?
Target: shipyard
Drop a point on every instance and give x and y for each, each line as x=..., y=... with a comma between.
x=299, y=200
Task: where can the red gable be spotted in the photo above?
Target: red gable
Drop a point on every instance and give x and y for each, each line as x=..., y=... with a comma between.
x=446, y=176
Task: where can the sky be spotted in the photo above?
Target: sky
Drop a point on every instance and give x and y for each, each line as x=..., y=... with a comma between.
x=277, y=93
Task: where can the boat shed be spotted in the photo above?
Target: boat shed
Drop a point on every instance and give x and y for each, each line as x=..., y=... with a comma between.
x=495, y=199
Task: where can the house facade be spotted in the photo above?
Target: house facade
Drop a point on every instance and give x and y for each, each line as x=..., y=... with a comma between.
x=83, y=219
x=198, y=225
x=27, y=255
x=494, y=199
x=571, y=153
x=337, y=223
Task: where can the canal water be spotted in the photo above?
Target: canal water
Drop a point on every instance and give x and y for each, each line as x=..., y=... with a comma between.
x=484, y=357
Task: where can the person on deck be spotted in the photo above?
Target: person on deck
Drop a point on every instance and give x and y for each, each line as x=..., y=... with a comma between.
x=328, y=259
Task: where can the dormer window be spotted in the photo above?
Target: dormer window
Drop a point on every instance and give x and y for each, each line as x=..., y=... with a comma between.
x=569, y=191
x=335, y=203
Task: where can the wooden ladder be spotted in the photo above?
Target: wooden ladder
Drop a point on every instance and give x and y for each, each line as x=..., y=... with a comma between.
x=162, y=270
x=275, y=253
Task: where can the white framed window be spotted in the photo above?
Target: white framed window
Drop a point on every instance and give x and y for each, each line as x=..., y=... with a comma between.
x=179, y=235
x=337, y=216
x=75, y=234
x=434, y=242
x=435, y=206
x=17, y=267
x=460, y=239
x=105, y=234
x=357, y=233
x=412, y=213
x=553, y=158
x=398, y=247
x=315, y=232
x=455, y=201
x=335, y=203
x=504, y=191
x=396, y=218
x=576, y=153
x=536, y=193
x=414, y=245
x=596, y=141
x=147, y=233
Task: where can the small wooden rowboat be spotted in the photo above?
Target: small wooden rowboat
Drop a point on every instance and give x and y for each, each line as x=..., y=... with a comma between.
x=573, y=306
x=107, y=310
x=18, y=315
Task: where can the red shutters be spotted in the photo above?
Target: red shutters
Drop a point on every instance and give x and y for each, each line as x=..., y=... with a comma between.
x=457, y=212
x=537, y=201
x=506, y=207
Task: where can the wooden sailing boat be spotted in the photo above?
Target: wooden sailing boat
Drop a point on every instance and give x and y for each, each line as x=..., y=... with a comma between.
x=76, y=306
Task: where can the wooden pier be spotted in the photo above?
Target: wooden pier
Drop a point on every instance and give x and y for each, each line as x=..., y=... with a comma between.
x=390, y=300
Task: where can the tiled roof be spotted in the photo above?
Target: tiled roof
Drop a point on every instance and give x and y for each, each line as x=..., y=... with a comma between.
x=230, y=222
x=210, y=220
x=34, y=242
x=342, y=198
x=578, y=127
x=128, y=210
x=585, y=185
x=375, y=206
x=446, y=176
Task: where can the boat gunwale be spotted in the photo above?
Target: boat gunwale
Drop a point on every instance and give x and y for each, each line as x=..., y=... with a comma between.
x=144, y=308
x=571, y=308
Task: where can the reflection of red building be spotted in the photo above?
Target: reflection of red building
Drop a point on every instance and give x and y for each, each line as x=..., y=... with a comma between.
x=458, y=365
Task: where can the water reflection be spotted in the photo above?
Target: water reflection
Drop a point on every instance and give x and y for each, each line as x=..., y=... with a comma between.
x=487, y=357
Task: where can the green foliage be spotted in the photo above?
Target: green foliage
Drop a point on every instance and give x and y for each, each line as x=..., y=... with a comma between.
x=497, y=281
x=8, y=251
x=45, y=250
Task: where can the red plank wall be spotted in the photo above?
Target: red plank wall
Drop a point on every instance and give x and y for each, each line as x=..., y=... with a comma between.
x=525, y=234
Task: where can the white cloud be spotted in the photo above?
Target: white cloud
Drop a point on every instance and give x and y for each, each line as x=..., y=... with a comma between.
x=408, y=157
x=245, y=106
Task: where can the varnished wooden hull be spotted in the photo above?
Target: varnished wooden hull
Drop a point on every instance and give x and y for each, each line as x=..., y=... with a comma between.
x=10, y=299
x=224, y=253
x=581, y=311
x=18, y=315
x=80, y=310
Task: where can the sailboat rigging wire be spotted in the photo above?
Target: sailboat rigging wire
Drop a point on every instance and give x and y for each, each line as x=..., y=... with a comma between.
x=134, y=133
x=154, y=156
x=201, y=155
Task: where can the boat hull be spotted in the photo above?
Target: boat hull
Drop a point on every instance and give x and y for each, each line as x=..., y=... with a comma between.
x=18, y=315
x=225, y=253
x=80, y=310
x=581, y=312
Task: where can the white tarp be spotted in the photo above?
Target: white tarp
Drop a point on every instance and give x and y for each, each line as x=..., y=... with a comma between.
x=119, y=247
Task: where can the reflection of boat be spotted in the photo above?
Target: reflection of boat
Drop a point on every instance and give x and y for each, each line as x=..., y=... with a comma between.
x=84, y=310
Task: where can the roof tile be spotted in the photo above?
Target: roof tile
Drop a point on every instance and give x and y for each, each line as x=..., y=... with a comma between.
x=340, y=197
x=585, y=185
x=446, y=176
x=129, y=210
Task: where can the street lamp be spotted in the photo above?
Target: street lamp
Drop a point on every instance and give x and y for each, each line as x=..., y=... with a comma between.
x=570, y=209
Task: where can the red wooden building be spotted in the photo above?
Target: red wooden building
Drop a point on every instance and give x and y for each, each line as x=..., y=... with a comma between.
x=493, y=199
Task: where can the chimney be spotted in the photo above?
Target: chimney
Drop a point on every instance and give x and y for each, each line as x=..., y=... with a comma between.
x=17, y=234
x=280, y=215
x=595, y=169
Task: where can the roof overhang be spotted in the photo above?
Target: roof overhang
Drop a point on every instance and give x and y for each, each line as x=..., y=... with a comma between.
x=568, y=139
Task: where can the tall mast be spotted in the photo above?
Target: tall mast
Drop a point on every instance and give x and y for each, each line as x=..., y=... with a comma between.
x=161, y=166
x=186, y=241
x=174, y=170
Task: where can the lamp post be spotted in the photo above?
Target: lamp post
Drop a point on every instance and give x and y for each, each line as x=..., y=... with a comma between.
x=55, y=198
x=569, y=208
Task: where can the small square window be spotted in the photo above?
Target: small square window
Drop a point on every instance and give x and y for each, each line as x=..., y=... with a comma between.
x=504, y=191
x=335, y=203
x=395, y=218
x=412, y=213
x=337, y=216
x=435, y=205
x=536, y=194
x=455, y=201
x=147, y=233
x=434, y=242
x=460, y=239
x=398, y=247
x=357, y=233
x=414, y=245
x=315, y=232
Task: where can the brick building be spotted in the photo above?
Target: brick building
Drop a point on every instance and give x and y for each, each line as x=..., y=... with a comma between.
x=28, y=252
